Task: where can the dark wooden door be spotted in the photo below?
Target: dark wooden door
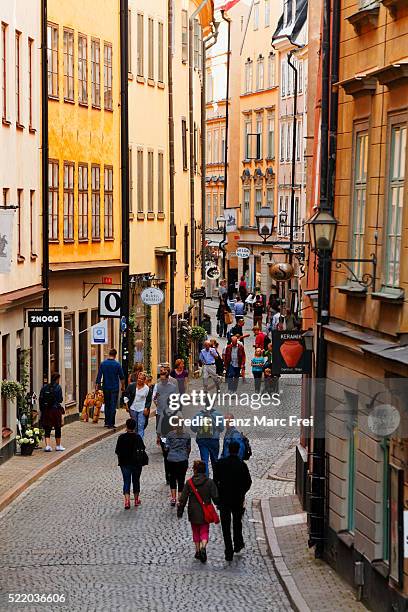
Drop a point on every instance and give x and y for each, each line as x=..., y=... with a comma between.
x=83, y=358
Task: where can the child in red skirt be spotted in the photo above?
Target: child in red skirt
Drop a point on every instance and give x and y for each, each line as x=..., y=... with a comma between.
x=208, y=493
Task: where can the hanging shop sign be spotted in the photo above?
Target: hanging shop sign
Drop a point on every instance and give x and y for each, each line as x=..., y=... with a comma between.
x=152, y=296
x=198, y=294
x=281, y=272
x=99, y=333
x=243, y=253
x=44, y=318
x=110, y=303
x=289, y=354
x=6, y=237
x=213, y=272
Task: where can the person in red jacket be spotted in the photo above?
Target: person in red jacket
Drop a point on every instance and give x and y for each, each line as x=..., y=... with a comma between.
x=234, y=360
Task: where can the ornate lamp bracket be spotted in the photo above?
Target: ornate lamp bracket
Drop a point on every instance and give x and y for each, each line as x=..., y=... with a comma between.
x=367, y=279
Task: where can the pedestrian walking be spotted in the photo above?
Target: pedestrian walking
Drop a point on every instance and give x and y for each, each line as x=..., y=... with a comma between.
x=208, y=431
x=178, y=445
x=222, y=325
x=136, y=395
x=207, y=359
x=137, y=368
x=233, y=482
x=51, y=409
x=258, y=310
x=259, y=338
x=257, y=364
x=238, y=330
x=239, y=309
x=180, y=374
x=219, y=362
x=198, y=491
x=222, y=288
x=110, y=374
x=242, y=288
x=234, y=361
x=232, y=435
x=132, y=456
x=149, y=399
x=162, y=391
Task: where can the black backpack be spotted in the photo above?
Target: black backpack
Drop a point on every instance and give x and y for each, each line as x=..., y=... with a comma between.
x=248, y=449
x=267, y=341
x=48, y=397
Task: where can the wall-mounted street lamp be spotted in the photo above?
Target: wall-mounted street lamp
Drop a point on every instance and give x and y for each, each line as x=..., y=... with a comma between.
x=265, y=222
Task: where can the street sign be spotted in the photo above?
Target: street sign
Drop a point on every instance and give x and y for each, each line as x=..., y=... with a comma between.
x=123, y=324
x=44, y=318
x=198, y=294
x=110, y=303
x=152, y=296
x=213, y=272
x=243, y=252
x=99, y=333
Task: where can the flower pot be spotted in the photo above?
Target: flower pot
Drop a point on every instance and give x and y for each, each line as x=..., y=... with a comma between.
x=27, y=449
x=291, y=351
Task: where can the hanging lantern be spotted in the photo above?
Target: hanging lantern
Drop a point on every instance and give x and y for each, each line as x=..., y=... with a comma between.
x=281, y=272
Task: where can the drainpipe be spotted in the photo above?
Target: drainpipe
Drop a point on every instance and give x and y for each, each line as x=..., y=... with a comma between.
x=124, y=145
x=294, y=144
x=173, y=240
x=228, y=20
x=191, y=128
x=44, y=179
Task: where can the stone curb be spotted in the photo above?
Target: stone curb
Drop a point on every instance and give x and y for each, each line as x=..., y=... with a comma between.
x=21, y=486
x=284, y=575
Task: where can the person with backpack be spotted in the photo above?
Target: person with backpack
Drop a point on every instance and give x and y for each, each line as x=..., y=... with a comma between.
x=208, y=430
x=232, y=435
x=131, y=453
x=178, y=444
x=200, y=492
x=233, y=481
x=258, y=310
x=51, y=408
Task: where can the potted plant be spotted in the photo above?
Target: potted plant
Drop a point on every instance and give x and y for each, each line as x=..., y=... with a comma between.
x=29, y=440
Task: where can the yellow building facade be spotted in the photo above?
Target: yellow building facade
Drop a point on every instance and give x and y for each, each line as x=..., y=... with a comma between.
x=84, y=182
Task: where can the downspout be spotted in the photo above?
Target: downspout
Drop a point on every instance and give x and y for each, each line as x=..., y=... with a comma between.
x=124, y=145
x=294, y=144
x=228, y=20
x=173, y=239
x=191, y=140
x=44, y=180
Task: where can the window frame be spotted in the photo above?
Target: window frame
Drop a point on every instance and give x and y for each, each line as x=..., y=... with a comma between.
x=184, y=36
x=107, y=76
x=184, y=143
x=69, y=63
x=4, y=71
x=30, y=84
x=140, y=45
x=82, y=69
x=140, y=179
x=83, y=202
x=96, y=203
x=259, y=126
x=160, y=182
x=108, y=204
x=271, y=135
x=160, y=48
x=53, y=209
x=33, y=249
x=267, y=13
x=53, y=60
x=356, y=246
x=150, y=48
x=150, y=181
x=18, y=109
x=68, y=202
x=255, y=17
x=20, y=204
x=96, y=73
x=246, y=206
x=260, y=73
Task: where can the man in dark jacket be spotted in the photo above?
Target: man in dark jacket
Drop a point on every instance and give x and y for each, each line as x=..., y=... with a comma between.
x=234, y=361
x=233, y=482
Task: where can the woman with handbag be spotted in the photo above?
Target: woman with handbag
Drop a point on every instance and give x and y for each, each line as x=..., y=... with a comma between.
x=132, y=456
x=136, y=395
x=200, y=492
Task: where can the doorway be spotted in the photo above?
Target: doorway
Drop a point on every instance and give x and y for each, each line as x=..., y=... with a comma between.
x=83, y=357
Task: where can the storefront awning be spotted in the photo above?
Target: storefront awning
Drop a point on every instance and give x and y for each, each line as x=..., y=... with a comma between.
x=71, y=266
x=8, y=300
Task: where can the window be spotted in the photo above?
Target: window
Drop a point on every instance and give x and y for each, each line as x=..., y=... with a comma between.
x=259, y=131
x=140, y=45
x=248, y=76
x=69, y=200
x=129, y=41
x=184, y=142
x=258, y=199
x=108, y=202
x=4, y=71
x=160, y=65
x=130, y=180
x=53, y=199
x=30, y=83
x=184, y=36
x=396, y=180
x=223, y=144
x=140, y=177
x=271, y=70
x=289, y=132
x=82, y=69
x=270, y=197
x=209, y=87
x=186, y=266
x=107, y=74
x=267, y=13
x=287, y=12
x=19, y=223
x=83, y=202
x=195, y=160
x=69, y=358
x=96, y=201
x=160, y=182
x=6, y=192
x=150, y=47
x=300, y=76
x=52, y=43
x=299, y=138
x=296, y=220
x=96, y=72
x=197, y=29
x=208, y=216
x=33, y=224
x=256, y=15
x=283, y=79
x=246, y=210
x=282, y=141
x=209, y=148
x=271, y=136
x=216, y=146
x=260, y=73
x=68, y=65
x=247, y=141
x=18, y=78
x=221, y=204
x=215, y=209
x=150, y=191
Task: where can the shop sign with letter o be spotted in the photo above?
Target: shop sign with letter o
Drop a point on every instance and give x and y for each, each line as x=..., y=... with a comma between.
x=110, y=303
